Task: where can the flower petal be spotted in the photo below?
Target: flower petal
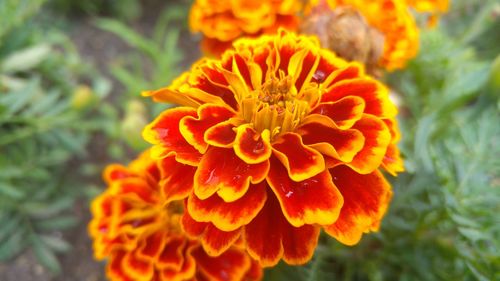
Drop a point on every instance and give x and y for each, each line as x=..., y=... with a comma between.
x=213, y=240
x=320, y=133
x=164, y=134
x=393, y=163
x=228, y=216
x=216, y=241
x=221, y=135
x=193, y=128
x=151, y=246
x=188, y=269
x=115, y=172
x=315, y=200
x=375, y=95
x=300, y=161
x=114, y=269
x=269, y=237
x=137, y=269
x=366, y=198
x=221, y=171
x=177, y=179
x=251, y=146
x=171, y=256
x=377, y=139
x=230, y=265
x=344, y=112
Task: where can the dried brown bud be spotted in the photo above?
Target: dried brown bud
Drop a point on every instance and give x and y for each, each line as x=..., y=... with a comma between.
x=346, y=32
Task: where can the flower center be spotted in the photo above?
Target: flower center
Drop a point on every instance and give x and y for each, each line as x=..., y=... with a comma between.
x=171, y=214
x=277, y=106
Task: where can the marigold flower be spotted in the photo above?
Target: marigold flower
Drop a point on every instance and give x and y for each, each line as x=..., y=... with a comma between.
x=285, y=138
x=223, y=21
x=391, y=18
x=136, y=226
x=433, y=7
x=430, y=6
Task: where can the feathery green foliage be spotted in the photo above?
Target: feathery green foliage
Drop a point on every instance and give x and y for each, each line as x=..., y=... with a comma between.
x=443, y=221
x=43, y=125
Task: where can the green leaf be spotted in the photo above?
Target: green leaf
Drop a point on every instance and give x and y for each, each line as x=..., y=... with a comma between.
x=41, y=210
x=45, y=254
x=13, y=245
x=26, y=59
x=9, y=226
x=56, y=243
x=57, y=223
x=10, y=191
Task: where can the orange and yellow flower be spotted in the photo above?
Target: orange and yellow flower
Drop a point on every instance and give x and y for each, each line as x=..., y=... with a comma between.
x=284, y=139
x=393, y=20
x=430, y=6
x=223, y=21
x=136, y=226
x=434, y=7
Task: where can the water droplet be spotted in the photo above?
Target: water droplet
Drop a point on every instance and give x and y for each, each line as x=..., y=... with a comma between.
x=319, y=76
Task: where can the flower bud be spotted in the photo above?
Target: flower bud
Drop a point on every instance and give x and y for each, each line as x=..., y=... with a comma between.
x=82, y=97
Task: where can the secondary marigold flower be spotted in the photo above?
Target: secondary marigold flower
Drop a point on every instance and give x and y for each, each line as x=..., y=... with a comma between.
x=433, y=7
x=136, y=226
x=429, y=6
x=389, y=23
x=223, y=21
x=285, y=138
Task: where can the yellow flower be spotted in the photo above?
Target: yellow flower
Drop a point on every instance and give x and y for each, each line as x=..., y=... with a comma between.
x=223, y=21
x=285, y=139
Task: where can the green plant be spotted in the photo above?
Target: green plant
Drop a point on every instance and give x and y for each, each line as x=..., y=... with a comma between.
x=443, y=221
x=47, y=115
x=152, y=64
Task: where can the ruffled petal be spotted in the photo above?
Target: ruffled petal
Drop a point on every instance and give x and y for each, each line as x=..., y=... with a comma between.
x=193, y=128
x=151, y=247
x=221, y=171
x=375, y=95
x=115, y=172
x=164, y=134
x=269, y=237
x=230, y=265
x=188, y=269
x=213, y=240
x=344, y=112
x=251, y=146
x=177, y=179
x=320, y=133
x=229, y=216
x=137, y=269
x=366, y=198
x=300, y=161
x=114, y=269
x=221, y=135
x=315, y=200
x=392, y=162
x=216, y=241
x=171, y=257
x=377, y=139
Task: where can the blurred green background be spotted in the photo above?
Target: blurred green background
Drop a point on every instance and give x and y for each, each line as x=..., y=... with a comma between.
x=71, y=73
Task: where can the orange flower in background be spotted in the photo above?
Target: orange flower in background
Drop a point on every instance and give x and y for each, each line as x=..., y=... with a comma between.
x=395, y=22
x=136, y=226
x=221, y=22
x=434, y=7
x=284, y=138
x=430, y=6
